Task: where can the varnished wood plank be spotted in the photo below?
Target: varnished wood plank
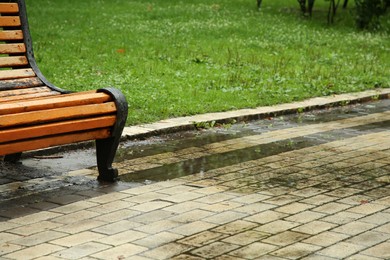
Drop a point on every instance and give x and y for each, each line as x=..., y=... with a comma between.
x=13, y=61
x=16, y=74
x=11, y=35
x=34, y=144
x=58, y=114
x=9, y=8
x=9, y=21
x=11, y=135
x=12, y=48
x=65, y=100
x=22, y=91
x=20, y=83
x=33, y=96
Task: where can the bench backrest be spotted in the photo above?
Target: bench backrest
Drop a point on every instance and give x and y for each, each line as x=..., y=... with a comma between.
x=18, y=69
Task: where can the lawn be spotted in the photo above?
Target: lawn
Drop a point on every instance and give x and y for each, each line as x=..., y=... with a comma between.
x=174, y=58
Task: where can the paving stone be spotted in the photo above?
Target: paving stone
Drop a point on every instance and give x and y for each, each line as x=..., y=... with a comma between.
x=187, y=257
x=118, y=215
x=77, y=239
x=354, y=228
x=16, y=212
x=115, y=196
x=331, y=208
x=277, y=226
x=253, y=251
x=222, y=206
x=361, y=257
x=34, y=251
x=65, y=199
x=80, y=226
x=158, y=239
x=294, y=208
x=326, y=238
x=343, y=217
x=235, y=227
x=74, y=207
x=305, y=216
x=341, y=250
x=152, y=216
x=225, y=217
x=246, y=237
x=367, y=208
x=145, y=197
x=285, y=238
x=255, y=208
x=124, y=251
x=75, y=216
x=150, y=206
x=314, y=227
x=266, y=217
x=191, y=216
x=202, y=238
x=111, y=207
x=193, y=228
x=82, y=250
x=296, y=251
x=155, y=227
x=35, y=228
x=319, y=199
x=38, y=238
x=369, y=238
x=6, y=237
x=214, y=249
x=283, y=199
x=184, y=207
x=6, y=248
x=167, y=251
x=381, y=251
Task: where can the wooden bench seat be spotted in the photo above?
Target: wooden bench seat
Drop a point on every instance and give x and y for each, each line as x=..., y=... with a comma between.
x=34, y=114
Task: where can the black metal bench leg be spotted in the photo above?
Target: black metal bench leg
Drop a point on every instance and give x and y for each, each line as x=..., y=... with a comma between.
x=12, y=157
x=105, y=153
x=106, y=148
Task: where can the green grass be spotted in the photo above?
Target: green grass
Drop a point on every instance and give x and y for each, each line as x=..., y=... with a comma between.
x=175, y=58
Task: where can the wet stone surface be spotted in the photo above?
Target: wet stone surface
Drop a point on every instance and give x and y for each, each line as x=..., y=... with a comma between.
x=205, y=154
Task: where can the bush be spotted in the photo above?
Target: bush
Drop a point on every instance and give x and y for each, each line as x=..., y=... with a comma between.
x=369, y=11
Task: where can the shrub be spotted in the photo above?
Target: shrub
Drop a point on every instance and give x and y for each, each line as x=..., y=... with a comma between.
x=369, y=11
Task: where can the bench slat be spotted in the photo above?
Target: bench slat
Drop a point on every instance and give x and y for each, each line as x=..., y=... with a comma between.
x=35, y=144
x=9, y=8
x=58, y=114
x=21, y=92
x=78, y=99
x=16, y=74
x=12, y=48
x=13, y=61
x=29, y=96
x=20, y=83
x=10, y=21
x=11, y=35
x=55, y=128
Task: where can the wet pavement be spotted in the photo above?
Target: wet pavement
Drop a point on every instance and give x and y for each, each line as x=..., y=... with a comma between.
x=306, y=185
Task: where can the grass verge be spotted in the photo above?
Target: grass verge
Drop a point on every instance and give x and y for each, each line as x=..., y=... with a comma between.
x=176, y=58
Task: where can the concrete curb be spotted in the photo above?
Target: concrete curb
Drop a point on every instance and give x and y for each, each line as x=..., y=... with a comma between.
x=189, y=122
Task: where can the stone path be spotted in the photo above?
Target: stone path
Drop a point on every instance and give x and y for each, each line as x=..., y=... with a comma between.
x=281, y=188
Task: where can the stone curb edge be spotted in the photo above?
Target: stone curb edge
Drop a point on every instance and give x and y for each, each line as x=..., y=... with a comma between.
x=190, y=122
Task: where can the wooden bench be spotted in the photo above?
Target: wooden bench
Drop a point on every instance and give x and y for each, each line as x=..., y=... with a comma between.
x=34, y=114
